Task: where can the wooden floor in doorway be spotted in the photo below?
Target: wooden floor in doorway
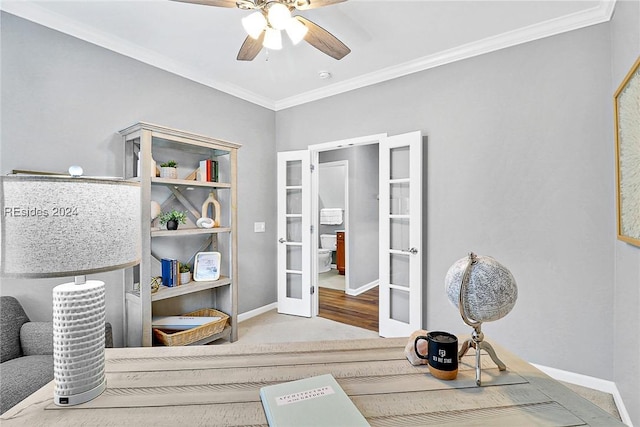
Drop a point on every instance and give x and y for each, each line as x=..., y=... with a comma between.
x=360, y=311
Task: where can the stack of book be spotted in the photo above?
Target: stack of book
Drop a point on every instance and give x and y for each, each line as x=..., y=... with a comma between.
x=208, y=170
x=170, y=272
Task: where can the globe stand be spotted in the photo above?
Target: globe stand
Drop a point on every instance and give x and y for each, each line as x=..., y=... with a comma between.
x=477, y=337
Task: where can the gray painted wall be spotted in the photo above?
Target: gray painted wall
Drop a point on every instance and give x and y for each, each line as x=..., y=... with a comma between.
x=519, y=167
x=625, y=42
x=363, y=211
x=63, y=102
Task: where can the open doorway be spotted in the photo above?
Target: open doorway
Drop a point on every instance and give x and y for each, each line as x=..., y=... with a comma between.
x=347, y=179
x=395, y=205
x=333, y=219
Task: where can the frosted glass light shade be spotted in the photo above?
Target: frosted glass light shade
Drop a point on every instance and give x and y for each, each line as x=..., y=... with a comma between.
x=272, y=39
x=254, y=24
x=296, y=30
x=279, y=16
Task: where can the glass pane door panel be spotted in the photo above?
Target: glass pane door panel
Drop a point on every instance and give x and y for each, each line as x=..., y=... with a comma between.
x=399, y=162
x=399, y=301
x=399, y=270
x=294, y=229
x=399, y=198
x=294, y=173
x=294, y=258
x=294, y=201
x=399, y=233
x=294, y=285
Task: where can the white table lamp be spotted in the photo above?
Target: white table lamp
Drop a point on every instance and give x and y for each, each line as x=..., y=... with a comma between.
x=56, y=226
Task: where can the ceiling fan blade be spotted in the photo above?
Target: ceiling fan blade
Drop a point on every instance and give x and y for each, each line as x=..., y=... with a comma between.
x=314, y=4
x=217, y=3
x=250, y=48
x=323, y=40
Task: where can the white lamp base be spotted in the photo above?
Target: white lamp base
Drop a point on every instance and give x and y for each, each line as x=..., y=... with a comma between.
x=78, y=342
x=77, y=399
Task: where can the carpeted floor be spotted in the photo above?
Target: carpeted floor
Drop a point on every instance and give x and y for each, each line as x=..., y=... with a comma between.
x=274, y=327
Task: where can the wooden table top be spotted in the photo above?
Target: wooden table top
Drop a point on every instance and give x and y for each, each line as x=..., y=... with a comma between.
x=219, y=385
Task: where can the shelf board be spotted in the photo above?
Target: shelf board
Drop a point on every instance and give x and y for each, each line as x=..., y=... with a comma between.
x=189, y=183
x=165, y=292
x=189, y=231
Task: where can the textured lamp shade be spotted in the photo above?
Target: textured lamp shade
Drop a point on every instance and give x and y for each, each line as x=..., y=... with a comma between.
x=57, y=227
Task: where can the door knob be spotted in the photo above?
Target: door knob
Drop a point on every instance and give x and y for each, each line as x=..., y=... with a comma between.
x=412, y=251
x=281, y=240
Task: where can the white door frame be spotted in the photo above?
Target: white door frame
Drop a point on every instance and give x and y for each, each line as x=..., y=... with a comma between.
x=315, y=156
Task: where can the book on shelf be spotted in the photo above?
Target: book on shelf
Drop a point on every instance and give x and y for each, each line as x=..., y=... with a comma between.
x=316, y=401
x=167, y=275
x=175, y=271
x=208, y=170
x=170, y=272
x=203, y=171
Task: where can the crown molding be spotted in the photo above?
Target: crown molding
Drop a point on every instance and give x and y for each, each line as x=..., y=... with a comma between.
x=596, y=15
x=44, y=17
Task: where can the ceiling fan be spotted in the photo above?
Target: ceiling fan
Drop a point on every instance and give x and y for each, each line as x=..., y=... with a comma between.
x=264, y=26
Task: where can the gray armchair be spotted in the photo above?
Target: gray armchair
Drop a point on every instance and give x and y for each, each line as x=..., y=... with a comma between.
x=26, y=353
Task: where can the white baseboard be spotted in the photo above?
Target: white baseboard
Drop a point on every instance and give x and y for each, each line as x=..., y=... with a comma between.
x=592, y=383
x=256, y=312
x=362, y=289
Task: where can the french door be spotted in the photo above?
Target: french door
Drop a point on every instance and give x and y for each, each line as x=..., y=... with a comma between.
x=400, y=231
x=400, y=262
x=294, y=233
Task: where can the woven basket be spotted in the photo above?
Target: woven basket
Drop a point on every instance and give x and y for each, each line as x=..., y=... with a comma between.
x=192, y=335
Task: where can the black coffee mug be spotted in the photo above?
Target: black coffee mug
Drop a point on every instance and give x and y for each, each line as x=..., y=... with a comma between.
x=442, y=354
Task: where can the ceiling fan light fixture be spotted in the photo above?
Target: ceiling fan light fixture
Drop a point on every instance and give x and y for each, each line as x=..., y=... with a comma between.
x=301, y=4
x=296, y=30
x=272, y=39
x=254, y=24
x=279, y=16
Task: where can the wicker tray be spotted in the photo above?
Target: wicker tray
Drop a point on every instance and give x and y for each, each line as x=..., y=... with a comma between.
x=192, y=335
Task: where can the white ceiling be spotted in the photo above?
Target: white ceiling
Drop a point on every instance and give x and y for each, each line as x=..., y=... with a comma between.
x=388, y=39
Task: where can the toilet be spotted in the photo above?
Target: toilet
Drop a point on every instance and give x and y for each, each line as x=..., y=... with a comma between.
x=327, y=246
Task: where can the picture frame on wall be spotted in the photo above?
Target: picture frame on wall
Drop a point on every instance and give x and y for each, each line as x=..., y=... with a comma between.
x=627, y=136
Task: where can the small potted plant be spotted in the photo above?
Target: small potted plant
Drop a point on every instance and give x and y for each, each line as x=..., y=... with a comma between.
x=169, y=169
x=185, y=273
x=173, y=218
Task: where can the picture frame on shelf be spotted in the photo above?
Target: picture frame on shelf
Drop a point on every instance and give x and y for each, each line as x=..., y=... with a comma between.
x=206, y=266
x=627, y=137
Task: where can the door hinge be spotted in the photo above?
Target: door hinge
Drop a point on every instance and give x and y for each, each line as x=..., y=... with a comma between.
x=311, y=227
x=312, y=167
x=313, y=290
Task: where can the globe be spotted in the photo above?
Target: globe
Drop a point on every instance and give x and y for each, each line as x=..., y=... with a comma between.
x=491, y=291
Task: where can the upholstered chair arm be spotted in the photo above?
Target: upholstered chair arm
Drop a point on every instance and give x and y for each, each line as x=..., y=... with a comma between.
x=36, y=338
